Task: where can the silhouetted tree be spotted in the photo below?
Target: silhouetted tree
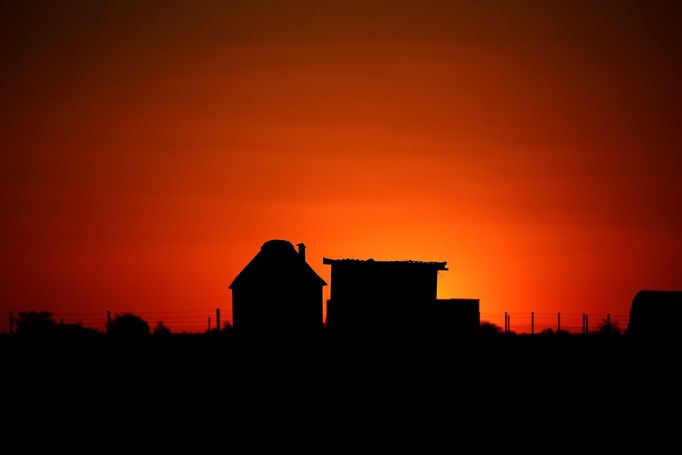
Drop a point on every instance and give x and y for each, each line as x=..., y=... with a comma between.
x=36, y=323
x=161, y=329
x=75, y=330
x=490, y=329
x=227, y=329
x=128, y=324
x=608, y=327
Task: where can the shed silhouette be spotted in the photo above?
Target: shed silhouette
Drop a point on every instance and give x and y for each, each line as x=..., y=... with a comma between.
x=277, y=293
x=656, y=314
x=381, y=298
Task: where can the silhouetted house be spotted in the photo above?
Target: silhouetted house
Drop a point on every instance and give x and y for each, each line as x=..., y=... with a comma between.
x=656, y=314
x=391, y=298
x=277, y=293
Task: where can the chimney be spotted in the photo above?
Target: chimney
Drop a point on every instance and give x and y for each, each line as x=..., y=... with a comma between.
x=301, y=251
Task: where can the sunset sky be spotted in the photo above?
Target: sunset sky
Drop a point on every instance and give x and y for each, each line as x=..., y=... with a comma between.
x=148, y=149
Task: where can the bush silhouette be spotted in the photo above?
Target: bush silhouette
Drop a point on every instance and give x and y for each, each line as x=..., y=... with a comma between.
x=227, y=329
x=128, y=324
x=490, y=329
x=76, y=330
x=161, y=329
x=608, y=327
x=36, y=323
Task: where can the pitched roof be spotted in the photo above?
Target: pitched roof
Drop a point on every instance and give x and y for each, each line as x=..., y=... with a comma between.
x=280, y=258
x=409, y=262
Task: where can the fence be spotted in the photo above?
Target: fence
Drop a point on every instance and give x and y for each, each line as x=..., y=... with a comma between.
x=178, y=321
x=200, y=320
x=532, y=322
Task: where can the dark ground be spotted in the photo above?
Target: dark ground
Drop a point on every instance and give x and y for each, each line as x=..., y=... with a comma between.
x=507, y=389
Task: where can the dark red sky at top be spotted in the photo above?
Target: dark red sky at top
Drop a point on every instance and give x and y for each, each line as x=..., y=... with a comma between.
x=148, y=149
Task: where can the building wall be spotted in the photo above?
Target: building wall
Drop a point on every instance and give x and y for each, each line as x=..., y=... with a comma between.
x=380, y=298
x=277, y=308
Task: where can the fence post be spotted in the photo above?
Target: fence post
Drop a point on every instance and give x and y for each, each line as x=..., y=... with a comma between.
x=587, y=322
x=209, y=323
x=505, y=322
x=108, y=327
x=11, y=323
x=582, y=327
x=558, y=322
x=532, y=322
x=217, y=319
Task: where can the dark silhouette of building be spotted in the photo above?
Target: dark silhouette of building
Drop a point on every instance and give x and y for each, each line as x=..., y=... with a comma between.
x=390, y=298
x=277, y=293
x=656, y=314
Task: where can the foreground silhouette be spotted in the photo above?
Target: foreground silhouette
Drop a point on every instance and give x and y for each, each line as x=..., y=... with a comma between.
x=325, y=383
x=179, y=378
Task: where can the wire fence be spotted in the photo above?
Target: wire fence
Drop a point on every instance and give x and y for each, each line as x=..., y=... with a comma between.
x=532, y=322
x=178, y=321
x=201, y=320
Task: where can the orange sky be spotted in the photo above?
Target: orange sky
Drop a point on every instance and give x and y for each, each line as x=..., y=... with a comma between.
x=147, y=150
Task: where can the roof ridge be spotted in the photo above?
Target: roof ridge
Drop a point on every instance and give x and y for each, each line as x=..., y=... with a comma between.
x=440, y=264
